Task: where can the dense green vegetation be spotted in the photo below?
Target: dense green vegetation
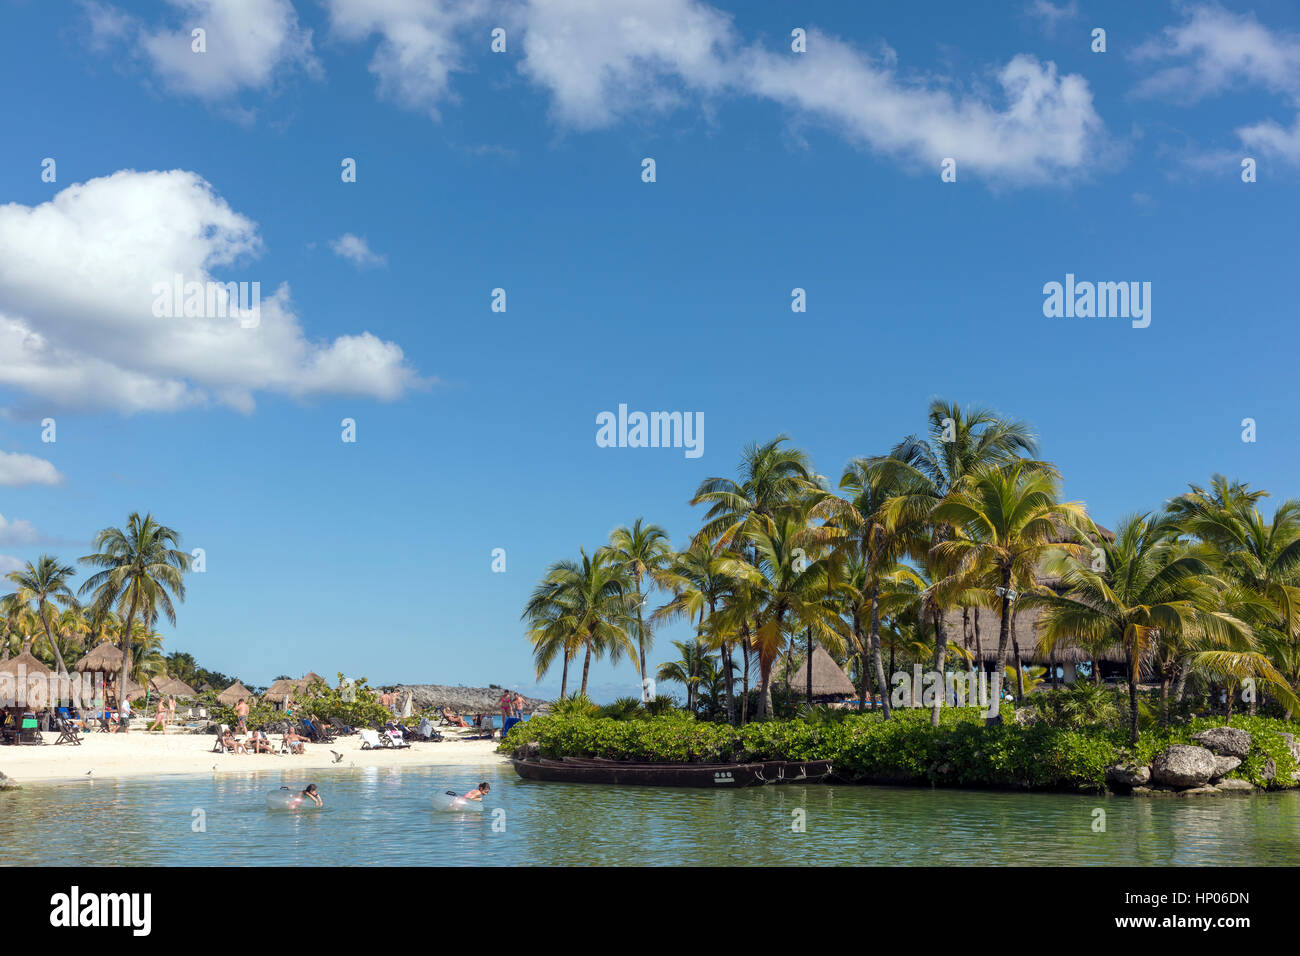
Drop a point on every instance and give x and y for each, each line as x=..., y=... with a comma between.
x=1199, y=600
x=904, y=749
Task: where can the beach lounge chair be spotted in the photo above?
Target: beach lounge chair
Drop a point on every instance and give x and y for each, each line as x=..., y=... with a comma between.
x=370, y=739
x=68, y=732
x=316, y=733
x=221, y=732
x=341, y=728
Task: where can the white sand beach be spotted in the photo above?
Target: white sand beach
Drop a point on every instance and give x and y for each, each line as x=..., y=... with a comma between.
x=141, y=754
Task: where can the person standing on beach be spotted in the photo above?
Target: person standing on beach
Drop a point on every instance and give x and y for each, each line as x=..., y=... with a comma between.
x=519, y=705
x=505, y=704
x=241, y=711
x=124, y=715
x=171, y=710
x=159, y=717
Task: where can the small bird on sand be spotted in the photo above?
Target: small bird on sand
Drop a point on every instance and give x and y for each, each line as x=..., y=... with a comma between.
x=89, y=772
x=337, y=756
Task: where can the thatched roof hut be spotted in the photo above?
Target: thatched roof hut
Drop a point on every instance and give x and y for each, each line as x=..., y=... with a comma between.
x=1027, y=633
x=283, y=689
x=828, y=679
x=230, y=696
x=133, y=690
x=104, y=658
x=171, y=686
x=28, y=664
x=310, y=678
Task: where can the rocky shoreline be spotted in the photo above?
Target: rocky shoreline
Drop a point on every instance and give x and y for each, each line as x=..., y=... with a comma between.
x=1202, y=768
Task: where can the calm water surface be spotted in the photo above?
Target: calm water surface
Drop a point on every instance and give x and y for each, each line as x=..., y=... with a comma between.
x=382, y=816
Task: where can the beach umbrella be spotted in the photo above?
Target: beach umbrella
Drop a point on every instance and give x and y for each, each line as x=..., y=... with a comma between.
x=828, y=679
x=103, y=658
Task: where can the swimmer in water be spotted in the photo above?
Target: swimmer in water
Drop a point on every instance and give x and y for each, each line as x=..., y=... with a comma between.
x=478, y=792
x=311, y=794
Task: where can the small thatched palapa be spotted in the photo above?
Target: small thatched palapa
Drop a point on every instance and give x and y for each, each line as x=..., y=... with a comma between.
x=178, y=688
x=230, y=696
x=103, y=658
x=28, y=664
x=828, y=680
x=310, y=678
x=283, y=689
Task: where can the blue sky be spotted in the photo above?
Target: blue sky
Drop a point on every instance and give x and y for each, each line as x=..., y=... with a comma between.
x=522, y=170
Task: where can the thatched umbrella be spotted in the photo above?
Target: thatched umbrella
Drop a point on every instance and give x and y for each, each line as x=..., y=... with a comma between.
x=310, y=678
x=105, y=658
x=828, y=679
x=282, y=690
x=25, y=665
x=178, y=688
x=230, y=696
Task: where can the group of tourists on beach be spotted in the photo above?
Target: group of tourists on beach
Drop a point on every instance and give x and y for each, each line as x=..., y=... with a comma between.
x=512, y=704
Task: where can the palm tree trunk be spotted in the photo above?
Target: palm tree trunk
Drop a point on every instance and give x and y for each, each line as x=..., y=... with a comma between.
x=940, y=659
x=1165, y=681
x=640, y=636
x=58, y=656
x=586, y=668
x=1020, y=670
x=810, y=662
x=979, y=645
x=564, y=675
x=1133, y=675
x=744, y=677
x=126, y=649
x=1004, y=634
x=876, y=659
x=864, y=673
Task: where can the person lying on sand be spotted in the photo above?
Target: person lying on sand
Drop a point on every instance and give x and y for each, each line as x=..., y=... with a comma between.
x=478, y=792
x=296, y=741
x=311, y=794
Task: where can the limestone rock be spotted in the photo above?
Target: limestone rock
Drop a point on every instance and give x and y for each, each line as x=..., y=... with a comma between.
x=1128, y=775
x=1183, y=766
x=1235, y=786
x=1225, y=765
x=1225, y=741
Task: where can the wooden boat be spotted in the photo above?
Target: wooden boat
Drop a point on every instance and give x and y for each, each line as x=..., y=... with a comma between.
x=703, y=775
x=723, y=776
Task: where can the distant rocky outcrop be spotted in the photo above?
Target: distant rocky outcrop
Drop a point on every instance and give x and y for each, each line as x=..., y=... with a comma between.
x=463, y=700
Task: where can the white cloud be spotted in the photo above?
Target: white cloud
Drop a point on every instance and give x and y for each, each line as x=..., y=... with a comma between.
x=421, y=43
x=1052, y=15
x=19, y=469
x=1042, y=126
x=356, y=250
x=1214, y=51
x=78, y=278
x=18, y=531
x=9, y=563
x=248, y=44
x=604, y=61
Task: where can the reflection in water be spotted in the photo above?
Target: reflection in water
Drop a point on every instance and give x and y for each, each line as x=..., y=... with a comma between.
x=378, y=816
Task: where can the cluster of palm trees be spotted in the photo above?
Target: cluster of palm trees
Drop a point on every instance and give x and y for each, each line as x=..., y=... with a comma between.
x=139, y=571
x=963, y=518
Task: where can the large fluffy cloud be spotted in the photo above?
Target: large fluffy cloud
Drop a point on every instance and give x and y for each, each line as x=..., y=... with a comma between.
x=601, y=60
x=79, y=278
x=248, y=43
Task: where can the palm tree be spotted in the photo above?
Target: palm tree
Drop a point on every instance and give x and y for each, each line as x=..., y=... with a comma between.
x=644, y=551
x=1009, y=519
x=961, y=442
x=793, y=596
x=587, y=604
x=687, y=670
x=858, y=532
x=45, y=584
x=1149, y=583
x=142, y=570
x=1262, y=558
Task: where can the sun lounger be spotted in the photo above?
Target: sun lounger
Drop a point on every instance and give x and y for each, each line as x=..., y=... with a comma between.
x=316, y=733
x=370, y=739
x=28, y=731
x=68, y=732
x=343, y=729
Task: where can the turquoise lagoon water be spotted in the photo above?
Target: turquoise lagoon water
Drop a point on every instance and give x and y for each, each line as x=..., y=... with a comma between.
x=382, y=817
